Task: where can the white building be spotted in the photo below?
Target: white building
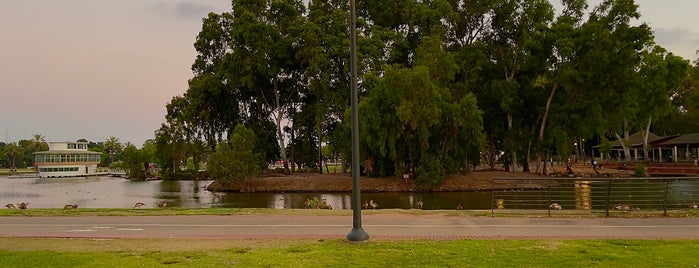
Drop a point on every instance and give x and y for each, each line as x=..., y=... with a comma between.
x=67, y=159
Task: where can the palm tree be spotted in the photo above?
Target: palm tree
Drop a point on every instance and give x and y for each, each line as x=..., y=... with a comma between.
x=38, y=143
x=112, y=146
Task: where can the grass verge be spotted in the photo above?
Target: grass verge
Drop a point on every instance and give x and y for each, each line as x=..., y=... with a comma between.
x=41, y=252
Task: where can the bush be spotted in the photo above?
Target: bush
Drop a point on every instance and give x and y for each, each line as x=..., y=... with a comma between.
x=234, y=162
x=640, y=171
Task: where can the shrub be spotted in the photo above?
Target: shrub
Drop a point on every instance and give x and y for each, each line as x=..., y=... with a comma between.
x=234, y=163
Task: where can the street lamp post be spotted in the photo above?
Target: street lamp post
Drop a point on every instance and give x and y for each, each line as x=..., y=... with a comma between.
x=357, y=233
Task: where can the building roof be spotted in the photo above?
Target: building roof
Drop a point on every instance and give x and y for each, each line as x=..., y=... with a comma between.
x=636, y=139
x=681, y=140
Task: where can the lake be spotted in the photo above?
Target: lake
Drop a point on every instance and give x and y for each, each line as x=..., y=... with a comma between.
x=114, y=192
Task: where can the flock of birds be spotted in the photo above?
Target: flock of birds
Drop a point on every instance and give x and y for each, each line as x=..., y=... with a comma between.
x=25, y=205
x=373, y=205
x=370, y=204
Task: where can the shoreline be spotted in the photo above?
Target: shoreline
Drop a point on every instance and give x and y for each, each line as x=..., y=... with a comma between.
x=475, y=181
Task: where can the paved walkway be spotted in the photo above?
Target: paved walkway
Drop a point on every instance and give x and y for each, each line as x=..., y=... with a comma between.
x=377, y=226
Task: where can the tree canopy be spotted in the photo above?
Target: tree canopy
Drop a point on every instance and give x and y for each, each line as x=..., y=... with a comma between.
x=444, y=84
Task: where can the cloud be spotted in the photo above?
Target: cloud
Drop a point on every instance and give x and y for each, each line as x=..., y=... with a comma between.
x=680, y=41
x=182, y=10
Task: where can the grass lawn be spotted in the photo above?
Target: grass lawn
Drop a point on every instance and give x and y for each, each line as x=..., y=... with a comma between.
x=7, y=171
x=196, y=252
x=45, y=252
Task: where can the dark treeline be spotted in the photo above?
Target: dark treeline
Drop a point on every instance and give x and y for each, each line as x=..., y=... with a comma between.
x=444, y=84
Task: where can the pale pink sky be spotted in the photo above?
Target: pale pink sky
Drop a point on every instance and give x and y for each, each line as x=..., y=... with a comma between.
x=74, y=69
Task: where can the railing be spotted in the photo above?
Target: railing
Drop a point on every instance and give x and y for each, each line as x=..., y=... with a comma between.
x=573, y=196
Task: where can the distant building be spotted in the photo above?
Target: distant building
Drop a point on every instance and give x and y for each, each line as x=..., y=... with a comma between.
x=673, y=148
x=67, y=159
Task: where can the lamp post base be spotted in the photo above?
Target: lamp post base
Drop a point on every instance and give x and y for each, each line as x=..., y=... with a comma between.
x=357, y=235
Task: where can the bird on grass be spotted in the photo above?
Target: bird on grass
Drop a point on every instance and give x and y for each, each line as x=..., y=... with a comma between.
x=23, y=205
x=74, y=206
x=10, y=206
x=138, y=205
x=555, y=206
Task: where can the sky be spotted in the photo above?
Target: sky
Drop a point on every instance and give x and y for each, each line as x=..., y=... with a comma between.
x=89, y=69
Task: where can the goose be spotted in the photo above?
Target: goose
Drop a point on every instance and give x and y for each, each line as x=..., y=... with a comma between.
x=555, y=206
x=373, y=204
x=10, y=206
x=138, y=205
x=23, y=205
x=70, y=206
x=622, y=207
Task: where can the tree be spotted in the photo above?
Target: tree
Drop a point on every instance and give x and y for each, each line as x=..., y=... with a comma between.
x=171, y=147
x=265, y=43
x=12, y=150
x=234, y=163
x=39, y=142
x=113, y=147
x=516, y=48
x=661, y=74
x=413, y=124
x=134, y=162
x=684, y=115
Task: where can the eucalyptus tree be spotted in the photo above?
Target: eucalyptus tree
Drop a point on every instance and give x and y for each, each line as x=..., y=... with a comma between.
x=211, y=106
x=172, y=146
x=563, y=43
x=263, y=48
x=516, y=49
x=414, y=124
x=324, y=53
x=606, y=90
x=684, y=115
x=661, y=73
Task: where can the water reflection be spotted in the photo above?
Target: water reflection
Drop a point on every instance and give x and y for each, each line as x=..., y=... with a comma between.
x=111, y=192
x=583, y=195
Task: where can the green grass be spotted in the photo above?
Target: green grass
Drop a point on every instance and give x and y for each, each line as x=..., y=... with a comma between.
x=340, y=253
x=7, y=171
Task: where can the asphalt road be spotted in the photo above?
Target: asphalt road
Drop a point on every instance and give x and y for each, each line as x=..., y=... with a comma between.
x=377, y=226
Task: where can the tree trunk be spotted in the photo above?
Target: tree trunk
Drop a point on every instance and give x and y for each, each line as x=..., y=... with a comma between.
x=320, y=150
x=292, y=150
x=645, y=141
x=627, y=152
x=278, y=111
x=544, y=119
x=514, y=148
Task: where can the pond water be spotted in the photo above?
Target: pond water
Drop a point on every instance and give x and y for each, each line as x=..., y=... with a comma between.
x=113, y=192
